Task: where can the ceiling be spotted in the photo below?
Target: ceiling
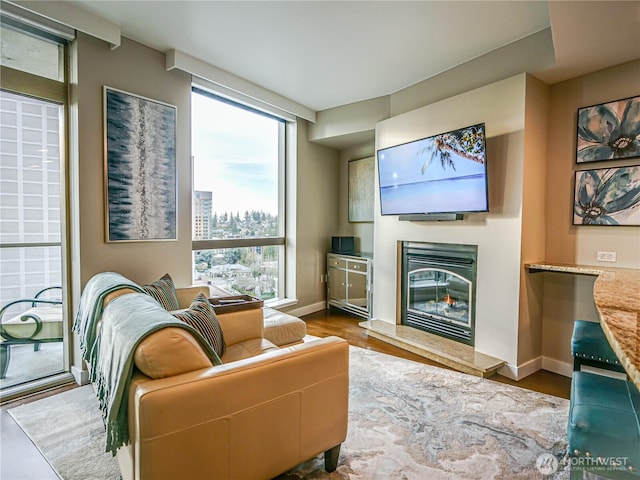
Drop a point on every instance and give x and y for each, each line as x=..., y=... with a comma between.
x=323, y=54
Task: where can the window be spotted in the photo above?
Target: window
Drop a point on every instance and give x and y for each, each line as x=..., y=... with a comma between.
x=33, y=251
x=238, y=197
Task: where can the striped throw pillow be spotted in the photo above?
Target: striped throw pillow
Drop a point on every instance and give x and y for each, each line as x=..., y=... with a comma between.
x=164, y=291
x=201, y=316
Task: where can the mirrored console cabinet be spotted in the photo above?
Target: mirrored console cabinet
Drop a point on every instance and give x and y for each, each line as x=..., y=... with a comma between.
x=349, y=283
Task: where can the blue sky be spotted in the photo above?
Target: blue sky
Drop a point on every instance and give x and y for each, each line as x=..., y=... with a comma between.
x=235, y=156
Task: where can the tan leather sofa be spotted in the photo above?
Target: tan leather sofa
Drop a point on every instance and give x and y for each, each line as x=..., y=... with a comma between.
x=262, y=412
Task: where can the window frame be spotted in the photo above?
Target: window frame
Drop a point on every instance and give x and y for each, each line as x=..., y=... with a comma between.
x=23, y=83
x=287, y=129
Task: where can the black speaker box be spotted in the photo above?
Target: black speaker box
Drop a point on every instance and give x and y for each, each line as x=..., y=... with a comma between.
x=343, y=245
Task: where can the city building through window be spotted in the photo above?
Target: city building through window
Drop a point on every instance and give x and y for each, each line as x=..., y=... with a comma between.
x=238, y=197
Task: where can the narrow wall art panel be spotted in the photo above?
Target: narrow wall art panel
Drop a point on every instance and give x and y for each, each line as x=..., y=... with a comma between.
x=607, y=196
x=140, y=168
x=609, y=131
x=361, y=189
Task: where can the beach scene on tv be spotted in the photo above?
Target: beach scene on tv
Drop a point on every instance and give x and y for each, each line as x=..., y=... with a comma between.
x=444, y=173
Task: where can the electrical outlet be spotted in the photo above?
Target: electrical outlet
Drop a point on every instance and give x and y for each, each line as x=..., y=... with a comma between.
x=606, y=256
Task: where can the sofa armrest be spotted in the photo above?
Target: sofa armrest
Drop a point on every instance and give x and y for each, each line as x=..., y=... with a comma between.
x=187, y=294
x=241, y=325
x=278, y=409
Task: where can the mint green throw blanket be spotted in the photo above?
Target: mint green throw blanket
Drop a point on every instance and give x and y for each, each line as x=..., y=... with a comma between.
x=126, y=321
x=90, y=311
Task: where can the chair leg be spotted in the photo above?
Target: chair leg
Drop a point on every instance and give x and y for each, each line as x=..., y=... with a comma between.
x=5, y=356
x=331, y=457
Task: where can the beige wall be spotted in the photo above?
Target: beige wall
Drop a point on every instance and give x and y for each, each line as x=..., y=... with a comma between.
x=533, y=221
x=316, y=219
x=140, y=70
x=578, y=244
x=362, y=231
x=568, y=297
x=497, y=234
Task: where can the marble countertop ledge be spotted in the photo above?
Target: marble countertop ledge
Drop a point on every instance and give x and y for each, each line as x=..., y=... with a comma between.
x=616, y=293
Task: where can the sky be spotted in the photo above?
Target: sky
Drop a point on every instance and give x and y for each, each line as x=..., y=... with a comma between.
x=235, y=156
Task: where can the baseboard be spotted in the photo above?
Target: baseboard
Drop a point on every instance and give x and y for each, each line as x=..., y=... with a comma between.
x=540, y=363
x=556, y=366
x=518, y=372
x=308, y=309
x=81, y=376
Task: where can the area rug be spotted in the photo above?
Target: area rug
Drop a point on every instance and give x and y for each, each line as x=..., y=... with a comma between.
x=407, y=421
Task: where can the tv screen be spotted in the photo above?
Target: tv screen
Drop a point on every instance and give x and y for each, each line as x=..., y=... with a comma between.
x=445, y=173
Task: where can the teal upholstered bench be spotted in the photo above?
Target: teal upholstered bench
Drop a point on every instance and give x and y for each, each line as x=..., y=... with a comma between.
x=603, y=430
x=589, y=346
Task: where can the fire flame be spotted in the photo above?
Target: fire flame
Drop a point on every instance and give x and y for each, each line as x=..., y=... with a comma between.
x=449, y=300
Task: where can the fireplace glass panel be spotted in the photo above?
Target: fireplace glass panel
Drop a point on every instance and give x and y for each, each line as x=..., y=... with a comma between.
x=441, y=294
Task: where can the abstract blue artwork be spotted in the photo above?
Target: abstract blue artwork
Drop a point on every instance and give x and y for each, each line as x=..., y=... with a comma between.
x=140, y=168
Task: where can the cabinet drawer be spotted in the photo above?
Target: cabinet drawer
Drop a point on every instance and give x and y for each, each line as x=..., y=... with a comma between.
x=357, y=266
x=337, y=262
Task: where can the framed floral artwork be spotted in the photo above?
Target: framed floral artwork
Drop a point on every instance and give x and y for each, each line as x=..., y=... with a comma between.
x=607, y=196
x=609, y=131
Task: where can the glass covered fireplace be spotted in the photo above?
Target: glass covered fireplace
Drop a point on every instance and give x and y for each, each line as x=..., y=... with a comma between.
x=438, y=288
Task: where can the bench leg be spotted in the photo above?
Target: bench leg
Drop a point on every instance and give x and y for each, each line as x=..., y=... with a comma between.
x=331, y=458
x=5, y=356
x=576, y=364
x=575, y=473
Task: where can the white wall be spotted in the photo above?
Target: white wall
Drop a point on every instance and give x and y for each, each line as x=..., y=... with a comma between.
x=497, y=234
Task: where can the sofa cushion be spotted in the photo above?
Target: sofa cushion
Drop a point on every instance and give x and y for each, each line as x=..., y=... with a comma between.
x=164, y=291
x=281, y=328
x=201, y=316
x=247, y=349
x=169, y=351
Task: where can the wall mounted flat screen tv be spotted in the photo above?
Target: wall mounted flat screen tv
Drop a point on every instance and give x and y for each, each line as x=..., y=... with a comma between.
x=445, y=173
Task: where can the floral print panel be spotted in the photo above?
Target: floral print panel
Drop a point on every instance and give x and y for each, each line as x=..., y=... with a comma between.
x=609, y=131
x=608, y=196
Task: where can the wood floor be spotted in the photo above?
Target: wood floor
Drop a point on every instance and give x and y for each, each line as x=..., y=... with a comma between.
x=345, y=325
x=21, y=460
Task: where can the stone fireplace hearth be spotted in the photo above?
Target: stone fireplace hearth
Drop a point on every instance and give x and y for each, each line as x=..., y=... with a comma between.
x=451, y=353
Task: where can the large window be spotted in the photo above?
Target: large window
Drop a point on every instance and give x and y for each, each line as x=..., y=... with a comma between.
x=238, y=197
x=33, y=95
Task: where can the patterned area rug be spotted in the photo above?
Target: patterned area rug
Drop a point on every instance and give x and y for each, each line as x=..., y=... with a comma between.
x=407, y=421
